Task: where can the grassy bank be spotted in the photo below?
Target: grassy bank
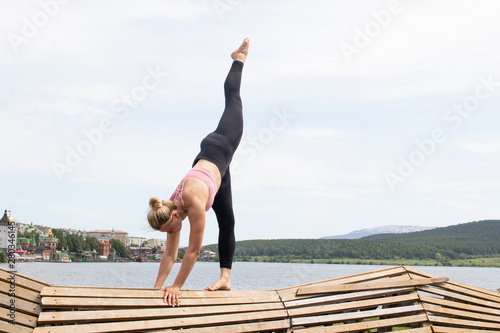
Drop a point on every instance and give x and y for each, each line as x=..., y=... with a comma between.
x=476, y=262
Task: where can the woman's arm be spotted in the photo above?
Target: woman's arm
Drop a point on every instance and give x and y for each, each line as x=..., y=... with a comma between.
x=197, y=223
x=168, y=258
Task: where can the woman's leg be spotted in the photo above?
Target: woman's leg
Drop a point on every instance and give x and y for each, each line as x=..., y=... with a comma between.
x=219, y=146
x=229, y=131
x=223, y=208
x=230, y=128
x=231, y=123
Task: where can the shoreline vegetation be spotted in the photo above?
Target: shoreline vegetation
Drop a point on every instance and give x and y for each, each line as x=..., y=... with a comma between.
x=476, y=262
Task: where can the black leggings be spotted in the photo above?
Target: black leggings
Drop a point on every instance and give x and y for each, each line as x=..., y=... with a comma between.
x=218, y=147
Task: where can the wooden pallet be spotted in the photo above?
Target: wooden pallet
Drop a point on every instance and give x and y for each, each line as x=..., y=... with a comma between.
x=380, y=301
x=24, y=295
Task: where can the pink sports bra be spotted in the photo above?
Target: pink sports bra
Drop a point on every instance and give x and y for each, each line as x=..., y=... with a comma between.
x=203, y=175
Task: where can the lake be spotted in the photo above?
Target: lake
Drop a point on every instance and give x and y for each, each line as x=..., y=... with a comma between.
x=245, y=275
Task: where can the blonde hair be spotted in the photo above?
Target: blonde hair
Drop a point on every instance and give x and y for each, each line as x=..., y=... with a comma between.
x=160, y=212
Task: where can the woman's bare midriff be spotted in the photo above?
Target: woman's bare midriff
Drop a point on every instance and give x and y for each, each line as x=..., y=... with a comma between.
x=212, y=168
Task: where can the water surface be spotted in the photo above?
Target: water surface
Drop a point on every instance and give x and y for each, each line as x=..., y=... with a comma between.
x=244, y=276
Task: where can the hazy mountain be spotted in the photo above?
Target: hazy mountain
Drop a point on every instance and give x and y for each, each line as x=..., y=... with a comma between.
x=386, y=229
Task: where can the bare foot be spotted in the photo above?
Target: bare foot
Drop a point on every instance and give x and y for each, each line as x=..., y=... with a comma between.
x=241, y=53
x=221, y=284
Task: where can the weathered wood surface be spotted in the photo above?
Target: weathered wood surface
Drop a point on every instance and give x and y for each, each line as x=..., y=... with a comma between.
x=51, y=317
x=368, y=286
x=461, y=306
x=383, y=300
x=447, y=329
x=454, y=283
x=367, y=325
x=22, y=292
x=290, y=293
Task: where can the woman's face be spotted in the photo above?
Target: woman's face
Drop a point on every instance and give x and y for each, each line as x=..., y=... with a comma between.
x=174, y=226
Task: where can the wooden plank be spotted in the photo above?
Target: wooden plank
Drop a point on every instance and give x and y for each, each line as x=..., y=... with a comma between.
x=100, y=292
x=6, y=327
x=347, y=297
x=146, y=289
x=460, y=313
x=64, y=317
x=369, y=286
x=315, y=320
x=361, y=277
x=242, y=328
x=317, y=310
x=470, y=292
x=20, y=318
x=459, y=305
x=23, y=280
x=463, y=323
x=328, y=329
x=446, y=329
x=373, y=324
x=141, y=302
x=418, y=330
x=455, y=283
x=452, y=295
x=21, y=292
x=291, y=293
x=149, y=293
x=144, y=325
x=22, y=305
x=196, y=292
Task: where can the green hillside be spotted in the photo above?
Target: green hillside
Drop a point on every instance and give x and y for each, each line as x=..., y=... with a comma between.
x=480, y=238
x=460, y=242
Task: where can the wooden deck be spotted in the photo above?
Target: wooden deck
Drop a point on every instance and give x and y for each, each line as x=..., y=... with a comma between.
x=397, y=298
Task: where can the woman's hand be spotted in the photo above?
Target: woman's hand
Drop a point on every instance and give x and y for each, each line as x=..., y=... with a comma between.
x=171, y=295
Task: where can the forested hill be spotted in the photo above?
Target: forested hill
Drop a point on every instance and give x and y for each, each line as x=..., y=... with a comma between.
x=473, y=238
x=469, y=240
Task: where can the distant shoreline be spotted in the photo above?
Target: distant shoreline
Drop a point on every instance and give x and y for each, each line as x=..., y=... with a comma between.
x=477, y=262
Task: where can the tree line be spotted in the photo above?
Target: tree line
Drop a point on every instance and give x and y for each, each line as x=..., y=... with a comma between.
x=475, y=239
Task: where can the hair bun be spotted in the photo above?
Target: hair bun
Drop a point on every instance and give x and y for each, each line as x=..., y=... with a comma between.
x=155, y=203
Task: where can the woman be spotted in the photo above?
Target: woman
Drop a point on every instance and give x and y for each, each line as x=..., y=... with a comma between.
x=207, y=185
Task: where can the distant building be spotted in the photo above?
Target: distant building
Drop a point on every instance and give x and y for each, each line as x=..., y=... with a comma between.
x=44, y=231
x=49, y=242
x=85, y=255
x=43, y=253
x=104, y=248
x=135, y=240
x=109, y=234
x=7, y=228
x=207, y=255
x=143, y=251
x=22, y=226
x=24, y=242
x=162, y=243
x=70, y=231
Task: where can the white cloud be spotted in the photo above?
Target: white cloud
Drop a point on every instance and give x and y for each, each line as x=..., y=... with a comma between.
x=350, y=117
x=90, y=92
x=482, y=147
x=310, y=133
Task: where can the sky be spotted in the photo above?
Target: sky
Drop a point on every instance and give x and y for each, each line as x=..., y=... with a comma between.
x=357, y=113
